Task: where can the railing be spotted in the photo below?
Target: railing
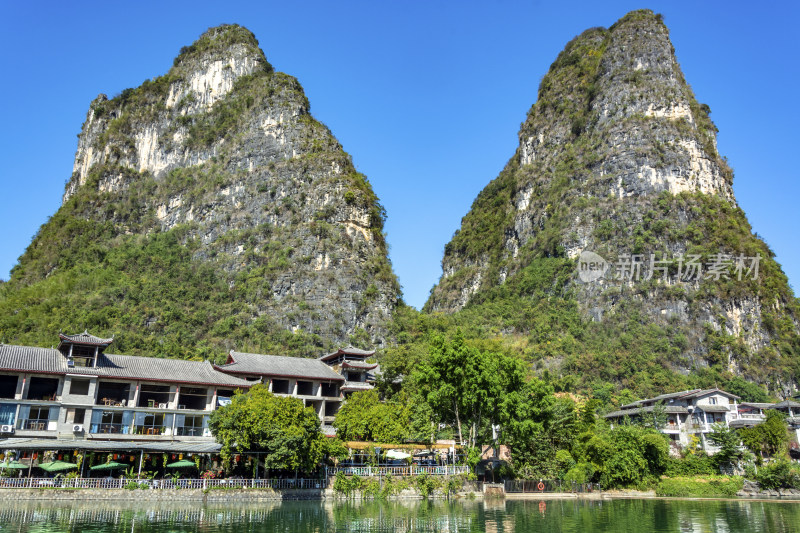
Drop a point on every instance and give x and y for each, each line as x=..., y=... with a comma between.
x=35, y=424
x=533, y=486
x=412, y=470
x=162, y=484
x=109, y=428
x=186, y=431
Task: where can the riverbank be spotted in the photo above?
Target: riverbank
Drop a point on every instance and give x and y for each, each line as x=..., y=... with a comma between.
x=269, y=495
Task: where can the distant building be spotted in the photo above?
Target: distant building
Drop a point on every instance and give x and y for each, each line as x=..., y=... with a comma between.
x=689, y=412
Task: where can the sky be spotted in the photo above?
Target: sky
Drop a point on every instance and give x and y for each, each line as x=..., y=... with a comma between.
x=427, y=96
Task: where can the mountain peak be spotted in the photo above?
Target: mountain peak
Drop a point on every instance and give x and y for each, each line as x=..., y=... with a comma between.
x=618, y=158
x=221, y=42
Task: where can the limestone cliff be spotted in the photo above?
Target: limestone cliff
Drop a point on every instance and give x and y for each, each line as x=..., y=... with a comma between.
x=618, y=158
x=220, y=163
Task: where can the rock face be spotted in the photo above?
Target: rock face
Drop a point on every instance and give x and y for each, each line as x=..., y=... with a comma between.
x=223, y=154
x=618, y=158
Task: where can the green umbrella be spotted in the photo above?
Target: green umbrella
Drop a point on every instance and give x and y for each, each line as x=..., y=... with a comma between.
x=14, y=465
x=57, y=466
x=183, y=463
x=111, y=465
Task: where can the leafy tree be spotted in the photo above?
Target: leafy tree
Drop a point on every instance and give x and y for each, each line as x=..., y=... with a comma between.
x=627, y=455
x=286, y=433
x=769, y=437
x=365, y=417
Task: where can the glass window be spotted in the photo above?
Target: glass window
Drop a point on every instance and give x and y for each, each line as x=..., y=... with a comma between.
x=7, y=413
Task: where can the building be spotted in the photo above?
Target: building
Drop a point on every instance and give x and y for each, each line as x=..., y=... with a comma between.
x=351, y=363
x=688, y=413
x=78, y=391
x=311, y=380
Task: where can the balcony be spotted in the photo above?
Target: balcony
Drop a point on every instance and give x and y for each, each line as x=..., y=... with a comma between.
x=33, y=424
x=118, y=429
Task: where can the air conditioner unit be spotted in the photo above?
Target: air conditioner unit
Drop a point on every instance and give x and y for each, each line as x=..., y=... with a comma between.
x=77, y=428
x=6, y=428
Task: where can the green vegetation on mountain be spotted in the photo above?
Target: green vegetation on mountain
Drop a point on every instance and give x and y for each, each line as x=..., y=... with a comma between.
x=616, y=157
x=198, y=222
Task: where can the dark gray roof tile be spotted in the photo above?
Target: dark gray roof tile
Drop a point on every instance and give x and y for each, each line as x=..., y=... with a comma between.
x=279, y=365
x=51, y=361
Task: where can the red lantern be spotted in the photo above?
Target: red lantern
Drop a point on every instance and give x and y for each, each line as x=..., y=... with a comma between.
x=116, y=456
x=60, y=457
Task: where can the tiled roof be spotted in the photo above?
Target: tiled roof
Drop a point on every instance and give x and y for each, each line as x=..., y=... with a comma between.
x=350, y=386
x=756, y=405
x=683, y=395
x=785, y=404
x=349, y=350
x=278, y=365
x=360, y=365
x=85, y=338
x=51, y=361
x=714, y=408
x=744, y=422
x=668, y=409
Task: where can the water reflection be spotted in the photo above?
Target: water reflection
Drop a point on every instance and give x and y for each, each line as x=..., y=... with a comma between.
x=407, y=516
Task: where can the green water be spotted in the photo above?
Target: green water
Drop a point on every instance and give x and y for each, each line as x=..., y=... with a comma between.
x=412, y=516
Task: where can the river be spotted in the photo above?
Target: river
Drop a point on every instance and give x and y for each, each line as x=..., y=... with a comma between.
x=418, y=516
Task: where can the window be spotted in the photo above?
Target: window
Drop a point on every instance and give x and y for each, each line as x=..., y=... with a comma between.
x=111, y=422
x=8, y=386
x=75, y=416
x=280, y=386
x=79, y=387
x=37, y=418
x=712, y=401
x=152, y=423
x=7, y=413
x=189, y=426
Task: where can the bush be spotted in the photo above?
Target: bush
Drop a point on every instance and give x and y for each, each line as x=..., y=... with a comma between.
x=707, y=486
x=779, y=475
x=694, y=464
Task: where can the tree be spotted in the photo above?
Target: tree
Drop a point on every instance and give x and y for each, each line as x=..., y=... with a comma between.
x=286, y=433
x=365, y=417
x=769, y=437
x=728, y=440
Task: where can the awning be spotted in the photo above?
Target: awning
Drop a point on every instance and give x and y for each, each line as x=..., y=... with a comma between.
x=183, y=463
x=113, y=465
x=14, y=465
x=57, y=466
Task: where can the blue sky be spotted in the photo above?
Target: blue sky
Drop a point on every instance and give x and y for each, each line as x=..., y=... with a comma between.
x=426, y=96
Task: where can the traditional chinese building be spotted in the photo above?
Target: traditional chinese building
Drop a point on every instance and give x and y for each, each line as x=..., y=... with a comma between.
x=351, y=363
x=311, y=380
x=78, y=390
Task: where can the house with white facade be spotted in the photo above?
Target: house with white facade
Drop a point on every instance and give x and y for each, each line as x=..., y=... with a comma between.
x=688, y=413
